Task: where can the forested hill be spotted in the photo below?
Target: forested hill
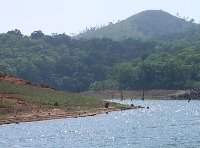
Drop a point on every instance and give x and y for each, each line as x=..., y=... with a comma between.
x=74, y=65
x=150, y=24
x=62, y=62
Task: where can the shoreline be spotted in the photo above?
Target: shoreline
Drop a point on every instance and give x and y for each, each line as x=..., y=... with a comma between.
x=58, y=114
x=131, y=94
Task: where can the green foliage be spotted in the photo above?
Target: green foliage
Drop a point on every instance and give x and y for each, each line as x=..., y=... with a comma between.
x=4, y=105
x=15, y=32
x=160, y=71
x=62, y=62
x=171, y=60
x=154, y=24
x=37, y=34
x=104, y=85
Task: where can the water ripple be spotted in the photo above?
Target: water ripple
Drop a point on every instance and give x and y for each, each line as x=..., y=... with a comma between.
x=165, y=124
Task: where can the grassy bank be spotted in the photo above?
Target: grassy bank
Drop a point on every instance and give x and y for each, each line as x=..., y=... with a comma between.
x=47, y=97
x=20, y=102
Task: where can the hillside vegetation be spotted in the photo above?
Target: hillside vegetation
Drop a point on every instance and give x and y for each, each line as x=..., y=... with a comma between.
x=144, y=25
x=167, y=61
x=161, y=70
x=62, y=62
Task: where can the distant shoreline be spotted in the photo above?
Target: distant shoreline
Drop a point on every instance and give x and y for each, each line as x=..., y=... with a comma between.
x=130, y=94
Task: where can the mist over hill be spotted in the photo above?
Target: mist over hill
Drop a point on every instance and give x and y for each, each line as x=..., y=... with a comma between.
x=149, y=24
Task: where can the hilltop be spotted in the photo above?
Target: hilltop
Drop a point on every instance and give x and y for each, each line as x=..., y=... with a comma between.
x=150, y=24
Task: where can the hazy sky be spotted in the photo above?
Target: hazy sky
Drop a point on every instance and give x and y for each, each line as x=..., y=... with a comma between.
x=72, y=16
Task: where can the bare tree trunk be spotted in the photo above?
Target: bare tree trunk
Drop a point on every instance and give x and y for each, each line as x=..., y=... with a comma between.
x=122, y=97
x=142, y=94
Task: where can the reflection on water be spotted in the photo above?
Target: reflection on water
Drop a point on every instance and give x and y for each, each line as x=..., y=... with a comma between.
x=164, y=124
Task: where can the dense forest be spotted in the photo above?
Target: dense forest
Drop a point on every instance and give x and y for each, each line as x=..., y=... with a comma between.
x=160, y=70
x=60, y=61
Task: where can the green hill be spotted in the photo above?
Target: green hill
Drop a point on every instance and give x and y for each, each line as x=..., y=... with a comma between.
x=73, y=65
x=144, y=25
x=62, y=62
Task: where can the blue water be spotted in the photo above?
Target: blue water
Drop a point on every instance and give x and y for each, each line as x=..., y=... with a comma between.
x=165, y=124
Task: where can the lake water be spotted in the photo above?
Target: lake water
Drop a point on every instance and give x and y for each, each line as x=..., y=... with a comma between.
x=165, y=124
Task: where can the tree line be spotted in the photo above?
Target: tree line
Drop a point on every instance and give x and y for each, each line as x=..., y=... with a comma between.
x=77, y=65
x=63, y=62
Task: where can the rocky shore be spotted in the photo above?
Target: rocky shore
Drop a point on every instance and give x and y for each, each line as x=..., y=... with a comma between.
x=193, y=94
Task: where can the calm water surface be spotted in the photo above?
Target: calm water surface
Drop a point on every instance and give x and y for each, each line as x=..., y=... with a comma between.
x=165, y=124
